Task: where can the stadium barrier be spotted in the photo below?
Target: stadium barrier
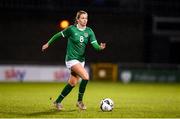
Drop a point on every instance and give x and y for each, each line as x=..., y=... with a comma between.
x=149, y=73
x=104, y=71
x=34, y=73
x=125, y=73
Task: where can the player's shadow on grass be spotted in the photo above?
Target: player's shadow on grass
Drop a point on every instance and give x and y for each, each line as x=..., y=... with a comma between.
x=49, y=112
x=39, y=114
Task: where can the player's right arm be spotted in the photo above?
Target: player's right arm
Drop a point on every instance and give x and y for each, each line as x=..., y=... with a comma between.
x=64, y=33
x=54, y=38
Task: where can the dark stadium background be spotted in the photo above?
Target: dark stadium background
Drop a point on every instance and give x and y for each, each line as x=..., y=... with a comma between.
x=125, y=25
x=139, y=34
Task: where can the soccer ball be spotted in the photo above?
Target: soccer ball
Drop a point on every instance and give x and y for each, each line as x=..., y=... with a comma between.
x=106, y=104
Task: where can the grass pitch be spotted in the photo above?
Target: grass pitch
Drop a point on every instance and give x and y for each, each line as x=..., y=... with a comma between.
x=139, y=100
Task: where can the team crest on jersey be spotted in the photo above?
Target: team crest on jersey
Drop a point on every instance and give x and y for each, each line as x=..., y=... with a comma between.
x=86, y=35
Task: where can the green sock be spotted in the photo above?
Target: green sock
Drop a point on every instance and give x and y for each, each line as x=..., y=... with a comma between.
x=67, y=89
x=82, y=89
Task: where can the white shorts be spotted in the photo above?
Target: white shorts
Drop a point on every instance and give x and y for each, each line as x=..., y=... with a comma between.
x=71, y=63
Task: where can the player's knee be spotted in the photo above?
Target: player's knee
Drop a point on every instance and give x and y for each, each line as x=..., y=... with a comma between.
x=86, y=76
x=72, y=82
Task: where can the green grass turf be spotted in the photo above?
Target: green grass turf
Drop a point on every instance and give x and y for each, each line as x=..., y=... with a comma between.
x=131, y=100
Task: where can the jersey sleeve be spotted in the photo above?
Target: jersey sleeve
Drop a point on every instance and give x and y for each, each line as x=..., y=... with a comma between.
x=63, y=33
x=66, y=32
x=93, y=41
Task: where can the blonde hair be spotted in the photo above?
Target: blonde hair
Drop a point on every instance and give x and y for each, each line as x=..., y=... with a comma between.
x=78, y=14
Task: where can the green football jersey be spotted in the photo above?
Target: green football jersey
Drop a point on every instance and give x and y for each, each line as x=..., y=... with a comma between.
x=77, y=41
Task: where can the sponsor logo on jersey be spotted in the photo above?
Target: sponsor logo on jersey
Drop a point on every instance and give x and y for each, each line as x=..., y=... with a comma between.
x=86, y=35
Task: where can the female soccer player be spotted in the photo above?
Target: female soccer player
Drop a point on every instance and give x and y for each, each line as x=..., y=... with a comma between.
x=78, y=36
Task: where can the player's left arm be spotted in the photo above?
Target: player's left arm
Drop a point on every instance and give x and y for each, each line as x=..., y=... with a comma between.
x=94, y=42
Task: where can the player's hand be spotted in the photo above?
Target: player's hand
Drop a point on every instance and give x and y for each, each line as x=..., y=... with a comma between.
x=102, y=46
x=45, y=46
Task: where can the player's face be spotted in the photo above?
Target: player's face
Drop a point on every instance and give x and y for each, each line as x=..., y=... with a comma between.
x=83, y=20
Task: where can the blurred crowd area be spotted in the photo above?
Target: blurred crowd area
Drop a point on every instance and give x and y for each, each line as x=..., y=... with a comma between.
x=136, y=31
x=160, y=7
x=142, y=36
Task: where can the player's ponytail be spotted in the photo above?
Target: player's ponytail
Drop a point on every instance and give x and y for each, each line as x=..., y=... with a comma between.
x=78, y=14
